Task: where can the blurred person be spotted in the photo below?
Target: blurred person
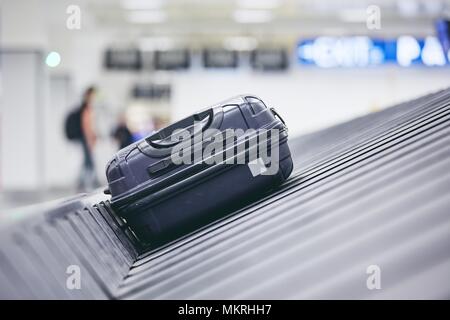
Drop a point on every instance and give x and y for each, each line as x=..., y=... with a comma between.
x=122, y=134
x=87, y=179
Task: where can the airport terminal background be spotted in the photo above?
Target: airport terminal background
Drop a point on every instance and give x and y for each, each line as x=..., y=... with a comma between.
x=152, y=62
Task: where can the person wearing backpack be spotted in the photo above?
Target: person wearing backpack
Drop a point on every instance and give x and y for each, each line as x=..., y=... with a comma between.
x=80, y=128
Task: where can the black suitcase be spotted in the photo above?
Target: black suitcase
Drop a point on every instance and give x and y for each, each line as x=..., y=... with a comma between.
x=198, y=169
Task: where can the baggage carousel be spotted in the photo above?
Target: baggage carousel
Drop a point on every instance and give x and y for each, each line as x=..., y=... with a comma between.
x=374, y=191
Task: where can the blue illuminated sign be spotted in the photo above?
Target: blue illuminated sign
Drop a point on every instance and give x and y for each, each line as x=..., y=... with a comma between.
x=361, y=51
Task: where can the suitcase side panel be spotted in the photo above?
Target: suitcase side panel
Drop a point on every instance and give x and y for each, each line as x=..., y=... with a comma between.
x=204, y=201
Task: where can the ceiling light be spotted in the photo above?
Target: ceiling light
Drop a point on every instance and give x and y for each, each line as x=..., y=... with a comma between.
x=353, y=15
x=240, y=43
x=147, y=16
x=252, y=16
x=156, y=43
x=258, y=4
x=53, y=59
x=141, y=4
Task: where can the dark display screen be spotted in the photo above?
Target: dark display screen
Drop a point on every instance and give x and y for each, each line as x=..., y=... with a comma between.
x=269, y=59
x=220, y=59
x=172, y=60
x=127, y=59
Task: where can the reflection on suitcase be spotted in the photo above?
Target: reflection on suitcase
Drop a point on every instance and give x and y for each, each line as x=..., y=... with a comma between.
x=199, y=168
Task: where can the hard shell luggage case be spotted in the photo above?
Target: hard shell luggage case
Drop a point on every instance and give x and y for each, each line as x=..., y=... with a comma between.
x=198, y=169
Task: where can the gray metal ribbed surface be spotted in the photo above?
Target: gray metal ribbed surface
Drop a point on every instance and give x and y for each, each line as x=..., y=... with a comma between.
x=372, y=191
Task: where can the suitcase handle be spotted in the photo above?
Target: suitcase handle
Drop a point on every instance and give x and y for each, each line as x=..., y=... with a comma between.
x=277, y=115
x=162, y=139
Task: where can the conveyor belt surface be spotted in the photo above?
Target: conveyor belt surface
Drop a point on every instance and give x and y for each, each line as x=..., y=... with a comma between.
x=371, y=191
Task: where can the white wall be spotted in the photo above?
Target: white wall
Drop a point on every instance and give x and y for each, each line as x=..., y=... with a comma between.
x=22, y=24
x=21, y=120
x=62, y=159
x=310, y=98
